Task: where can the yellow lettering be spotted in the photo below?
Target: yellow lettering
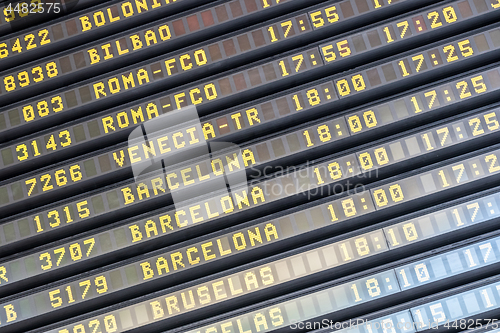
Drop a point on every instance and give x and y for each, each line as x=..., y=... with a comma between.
x=137, y=116
x=217, y=163
x=122, y=119
x=150, y=228
x=142, y=189
x=99, y=90
x=3, y=273
x=233, y=162
x=141, y=5
x=189, y=253
x=255, y=236
x=236, y=118
x=257, y=193
x=158, y=185
x=127, y=195
x=94, y=56
x=114, y=85
x=165, y=224
x=152, y=110
x=99, y=19
x=142, y=76
x=267, y=275
x=86, y=25
x=182, y=59
x=170, y=185
x=132, y=155
x=270, y=230
x=119, y=48
x=176, y=143
x=243, y=199
x=105, y=48
x=276, y=317
x=251, y=281
x=231, y=287
x=221, y=250
x=227, y=204
x=178, y=99
x=239, y=241
x=176, y=260
x=209, y=213
x=107, y=123
x=147, y=272
x=10, y=313
x=181, y=212
x=163, y=145
x=149, y=149
x=164, y=31
x=207, y=251
x=218, y=291
x=128, y=81
x=248, y=156
x=172, y=304
x=252, y=116
x=136, y=42
x=161, y=263
x=169, y=66
x=210, y=91
x=195, y=100
x=203, y=294
x=156, y=309
x=150, y=37
x=120, y=161
x=185, y=176
x=260, y=320
x=136, y=233
x=208, y=129
x=194, y=214
x=191, y=300
x=200, y=176
x=111, y=17
x=127, y=9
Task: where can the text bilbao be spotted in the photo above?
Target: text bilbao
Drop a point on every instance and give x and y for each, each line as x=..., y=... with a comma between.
x=148, y=111
x=87, y=22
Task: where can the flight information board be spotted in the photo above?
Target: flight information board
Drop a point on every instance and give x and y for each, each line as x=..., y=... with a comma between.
x=316, y=97
x=289, y=313
x=168, y=36
x=93, y=24
x=169, y=263
x=368, y=131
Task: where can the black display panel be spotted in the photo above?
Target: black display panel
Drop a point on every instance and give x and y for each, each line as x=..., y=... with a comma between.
x=459, y=131
x=300, y=309
x=290, y=143
x=169, y=263
x=124, y=120
x=50, y=303
x=17, y=15
x=103, y=92
x=166, y=36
